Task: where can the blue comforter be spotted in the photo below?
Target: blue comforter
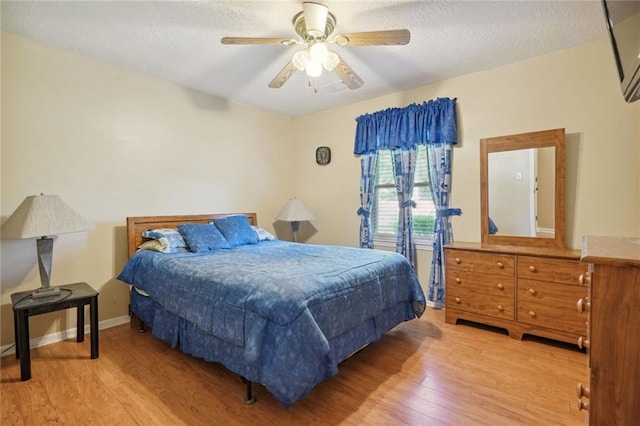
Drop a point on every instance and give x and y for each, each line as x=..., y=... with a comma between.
x=281, y=303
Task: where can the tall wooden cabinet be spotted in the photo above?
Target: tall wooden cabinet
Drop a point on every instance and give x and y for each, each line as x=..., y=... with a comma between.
x=611, y=397
x=525, y=290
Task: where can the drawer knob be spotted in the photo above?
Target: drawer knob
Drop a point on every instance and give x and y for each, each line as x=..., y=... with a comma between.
x=500, y=265
x=532, y=291
x=582, y=405
x=583, y=342
x=583, y=305
x=582, y=391
x=458, y=261
x=584, y=279
x=532, y=314
x=532, y=268
x=457, y=299
x=500, y=308
x=500, y=286
x=458, y=280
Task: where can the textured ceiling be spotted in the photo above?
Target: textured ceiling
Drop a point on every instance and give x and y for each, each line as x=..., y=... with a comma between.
x=180, y=42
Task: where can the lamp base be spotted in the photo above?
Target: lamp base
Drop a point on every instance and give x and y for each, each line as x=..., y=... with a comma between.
x=45, y=254
x=295, y=225
x=45, y=292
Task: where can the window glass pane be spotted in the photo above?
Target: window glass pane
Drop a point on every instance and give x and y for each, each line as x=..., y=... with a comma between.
x=386, y=210
x=422, y=171
x=424, y=213
x=385, y=169
x=385, y=204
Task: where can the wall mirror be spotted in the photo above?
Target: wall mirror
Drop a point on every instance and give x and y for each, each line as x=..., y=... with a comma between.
x=522, y=189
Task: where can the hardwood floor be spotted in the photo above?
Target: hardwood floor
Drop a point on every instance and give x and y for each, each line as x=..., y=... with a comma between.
x=424, y=372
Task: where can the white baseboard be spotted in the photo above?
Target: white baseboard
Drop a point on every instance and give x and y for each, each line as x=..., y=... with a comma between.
x=59, y=336
x=547, y=231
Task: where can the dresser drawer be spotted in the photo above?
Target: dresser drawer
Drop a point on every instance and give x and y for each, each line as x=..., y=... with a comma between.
x=551, y=305
x=489, y=284
x=480, y=302
x=481, y=263
x=553, y=270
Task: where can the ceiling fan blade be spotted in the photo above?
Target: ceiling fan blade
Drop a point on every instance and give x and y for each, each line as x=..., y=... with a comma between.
x=374, y=38
x=347, y=75
x=283, y=76
x=257, y=40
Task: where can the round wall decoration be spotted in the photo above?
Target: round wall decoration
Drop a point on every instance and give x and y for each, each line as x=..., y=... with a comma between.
x=323, y=155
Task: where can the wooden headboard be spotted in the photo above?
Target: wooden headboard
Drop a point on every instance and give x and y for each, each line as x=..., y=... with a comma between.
x=135, y=225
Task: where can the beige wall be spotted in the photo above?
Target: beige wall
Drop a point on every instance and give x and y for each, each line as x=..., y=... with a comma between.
x=575, y=89
x=114, y=143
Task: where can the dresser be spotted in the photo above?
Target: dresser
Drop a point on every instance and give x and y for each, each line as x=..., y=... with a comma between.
x=525, y=290
x=613, y=338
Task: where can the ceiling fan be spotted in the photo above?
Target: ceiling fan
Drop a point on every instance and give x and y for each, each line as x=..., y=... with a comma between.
x=314, y=24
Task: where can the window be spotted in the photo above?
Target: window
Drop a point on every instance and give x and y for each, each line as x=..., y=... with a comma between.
x=385, y=200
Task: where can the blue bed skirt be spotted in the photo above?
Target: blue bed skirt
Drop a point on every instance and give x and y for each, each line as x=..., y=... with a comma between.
x=184, y=335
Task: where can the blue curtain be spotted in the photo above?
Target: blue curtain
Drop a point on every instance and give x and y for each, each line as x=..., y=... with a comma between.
x=433, y=123
x=439, y=156
x=404, y=168
x=367, y=183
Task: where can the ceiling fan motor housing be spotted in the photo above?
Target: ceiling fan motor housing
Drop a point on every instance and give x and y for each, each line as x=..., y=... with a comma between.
x=314, y=22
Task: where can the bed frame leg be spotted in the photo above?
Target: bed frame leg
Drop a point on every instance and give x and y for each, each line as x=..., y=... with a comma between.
x=249, y=399
x=136, y=321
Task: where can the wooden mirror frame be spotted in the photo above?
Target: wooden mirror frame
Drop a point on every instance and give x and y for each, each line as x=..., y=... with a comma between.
x=547, y=138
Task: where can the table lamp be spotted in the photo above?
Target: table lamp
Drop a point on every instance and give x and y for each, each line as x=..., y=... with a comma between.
x=43, y=216
x=295, y=211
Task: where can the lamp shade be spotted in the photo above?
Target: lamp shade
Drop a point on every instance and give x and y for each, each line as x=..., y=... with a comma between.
x=42, y=215
x=294, y=211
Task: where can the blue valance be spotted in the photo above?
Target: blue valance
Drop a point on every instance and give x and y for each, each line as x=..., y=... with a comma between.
x=432, y=122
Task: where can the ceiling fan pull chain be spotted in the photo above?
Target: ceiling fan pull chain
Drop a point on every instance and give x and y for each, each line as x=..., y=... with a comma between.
x=313, y=85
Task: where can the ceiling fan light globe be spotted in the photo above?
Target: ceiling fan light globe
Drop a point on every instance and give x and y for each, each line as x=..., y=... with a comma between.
x=314, y=68
x=331, y=61
x=300, y=59
x=318, y=52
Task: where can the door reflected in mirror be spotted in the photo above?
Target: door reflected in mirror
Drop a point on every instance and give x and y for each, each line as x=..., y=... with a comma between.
x=521, y=192
x=522, y=189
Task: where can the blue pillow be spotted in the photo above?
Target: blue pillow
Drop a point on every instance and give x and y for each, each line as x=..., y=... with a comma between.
x=202, y=237
x=236, y=230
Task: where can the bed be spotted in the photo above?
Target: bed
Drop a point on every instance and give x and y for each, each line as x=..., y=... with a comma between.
x=277, y=313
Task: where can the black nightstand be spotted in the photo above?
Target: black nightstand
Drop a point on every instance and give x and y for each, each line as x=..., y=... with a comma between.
x=71, y=296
